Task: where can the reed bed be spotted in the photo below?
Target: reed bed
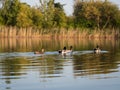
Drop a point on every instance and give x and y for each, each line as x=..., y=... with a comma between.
x=15, y=32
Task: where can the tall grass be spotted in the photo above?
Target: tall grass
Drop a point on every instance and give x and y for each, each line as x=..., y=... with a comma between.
x=14, y=32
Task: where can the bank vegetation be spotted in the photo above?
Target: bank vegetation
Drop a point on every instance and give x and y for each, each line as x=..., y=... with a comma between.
x=90, y=19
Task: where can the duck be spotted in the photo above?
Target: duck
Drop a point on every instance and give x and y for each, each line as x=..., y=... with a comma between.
x=39, y=52
x=65, y=51
x=61, y=51
x=97, y=49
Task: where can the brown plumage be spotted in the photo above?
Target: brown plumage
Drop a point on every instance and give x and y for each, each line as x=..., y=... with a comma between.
x=39, y=52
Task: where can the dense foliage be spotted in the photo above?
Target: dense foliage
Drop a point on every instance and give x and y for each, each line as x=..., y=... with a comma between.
x=47, y=15
x=96, y=14
x=87, y=14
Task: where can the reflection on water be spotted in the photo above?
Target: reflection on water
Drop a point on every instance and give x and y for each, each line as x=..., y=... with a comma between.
x=31, y=44
x=91, y=64
x=21, y=69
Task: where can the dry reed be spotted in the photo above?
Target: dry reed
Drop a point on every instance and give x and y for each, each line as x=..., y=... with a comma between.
x=14, y=32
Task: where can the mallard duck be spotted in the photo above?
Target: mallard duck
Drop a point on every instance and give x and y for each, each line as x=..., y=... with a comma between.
x=65, y=51
x=39, y=52
x=97, y=49
x=61, y=51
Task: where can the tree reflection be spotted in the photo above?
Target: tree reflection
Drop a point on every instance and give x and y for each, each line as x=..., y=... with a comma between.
x=12, y=68
x=91, y=64
x=49, y=67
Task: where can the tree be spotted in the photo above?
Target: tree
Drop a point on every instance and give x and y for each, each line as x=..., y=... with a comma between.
x=10, y=11
x=59, y=16
x=47, y=8
x=1, y=18
x=24, y=17
x=97, y=14
x=80, y=20
x=37, y=17
x=53, y=14
x=70, y=22
x=109, y=12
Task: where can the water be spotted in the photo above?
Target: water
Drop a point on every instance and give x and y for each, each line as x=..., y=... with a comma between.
x=21, y=69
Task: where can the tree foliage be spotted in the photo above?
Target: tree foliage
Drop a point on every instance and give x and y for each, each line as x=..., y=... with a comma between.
x=47, y=8
x=87, y=14
x=37, y=17
x=10, y=11
x=96, y=14
x=59, y=16
x=47, y=15
x=24, y=17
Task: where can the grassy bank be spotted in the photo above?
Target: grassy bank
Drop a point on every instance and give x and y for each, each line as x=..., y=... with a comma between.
x=14, y=32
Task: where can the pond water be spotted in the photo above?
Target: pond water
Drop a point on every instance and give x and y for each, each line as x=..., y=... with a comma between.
x=21, y=69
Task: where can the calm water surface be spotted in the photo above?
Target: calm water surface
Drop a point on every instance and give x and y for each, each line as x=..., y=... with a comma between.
x=21, y=69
